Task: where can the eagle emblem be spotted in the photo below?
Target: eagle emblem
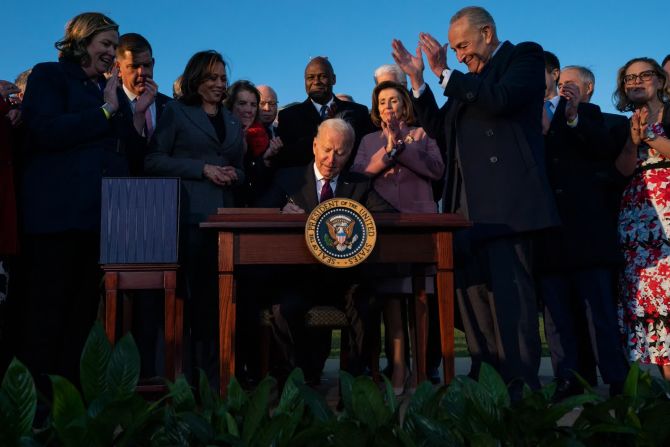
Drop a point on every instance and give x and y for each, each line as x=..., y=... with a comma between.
x=340, y=229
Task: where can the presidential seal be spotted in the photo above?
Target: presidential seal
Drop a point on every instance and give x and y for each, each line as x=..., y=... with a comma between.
x=340, y=233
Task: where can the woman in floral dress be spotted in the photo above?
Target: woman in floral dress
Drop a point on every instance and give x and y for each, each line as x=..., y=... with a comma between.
x=644, y=219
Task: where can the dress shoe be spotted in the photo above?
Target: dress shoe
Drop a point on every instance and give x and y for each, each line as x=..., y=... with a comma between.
x=566, y=388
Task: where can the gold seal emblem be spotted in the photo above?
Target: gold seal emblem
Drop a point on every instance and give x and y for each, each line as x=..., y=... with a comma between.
x=340, y=233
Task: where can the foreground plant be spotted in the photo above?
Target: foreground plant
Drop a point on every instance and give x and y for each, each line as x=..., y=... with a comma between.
x=110, y=412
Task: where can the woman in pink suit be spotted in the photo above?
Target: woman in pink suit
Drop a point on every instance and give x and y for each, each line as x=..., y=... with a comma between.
x=403, y=161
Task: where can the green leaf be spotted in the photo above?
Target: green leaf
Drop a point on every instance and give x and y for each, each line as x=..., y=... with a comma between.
x=268, y=433
x=491, y=381
x=181, y=395
x=67, y=411
x=346, y=390
x=436, y=433
x=257, y=408
x=237, y=398
x=367, y=403
x=93, y=365
x=123, y=370
x=231, y=424
x=198, y=426
x=19, y=388
x=391, y=399
x=208, y=399
x=316, y=403
x=290, y=396
x=631, y=382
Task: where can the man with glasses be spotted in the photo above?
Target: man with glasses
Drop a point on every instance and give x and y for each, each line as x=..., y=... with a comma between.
x=577, y=261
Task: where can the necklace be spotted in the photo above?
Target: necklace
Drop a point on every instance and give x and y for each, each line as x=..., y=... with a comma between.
x=216, y=112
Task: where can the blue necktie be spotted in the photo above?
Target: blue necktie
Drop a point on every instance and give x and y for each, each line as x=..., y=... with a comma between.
x=547, y=107
x=324, y=112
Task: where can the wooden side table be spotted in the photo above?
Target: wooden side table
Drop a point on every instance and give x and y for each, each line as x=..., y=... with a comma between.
x=148, y=277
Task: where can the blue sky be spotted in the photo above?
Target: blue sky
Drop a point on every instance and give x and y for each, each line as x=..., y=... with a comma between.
x=270, y=42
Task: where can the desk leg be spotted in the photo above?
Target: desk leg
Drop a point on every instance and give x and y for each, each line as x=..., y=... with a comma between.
x=111, y=289
x=420, y=314
x=169, y=283
x=445, y=297
x=226, y=312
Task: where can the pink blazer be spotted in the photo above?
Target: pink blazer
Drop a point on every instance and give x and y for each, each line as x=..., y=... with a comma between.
x=407, y=184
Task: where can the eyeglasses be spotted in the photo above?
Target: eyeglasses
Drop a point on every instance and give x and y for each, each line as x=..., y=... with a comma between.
x=644, y=76
x=268, y=103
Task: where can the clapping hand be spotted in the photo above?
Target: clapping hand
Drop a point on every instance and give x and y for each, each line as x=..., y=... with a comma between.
x=110, y=94
x=636, y=127
x=436, y=54
x=572, y=94
x=412, y=65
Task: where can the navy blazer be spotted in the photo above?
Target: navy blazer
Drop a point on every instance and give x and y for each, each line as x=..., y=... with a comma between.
x=70, y=146
x=576, y=158
x=299, y=185
x=299, y=123
x=135, y=145
x=184, y=141
x=492, y=126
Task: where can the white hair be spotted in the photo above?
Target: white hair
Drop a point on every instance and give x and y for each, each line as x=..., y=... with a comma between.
x=341, y=126
x=392, y=69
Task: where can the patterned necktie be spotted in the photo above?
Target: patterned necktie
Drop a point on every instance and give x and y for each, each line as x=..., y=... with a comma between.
x=148, y=123
x=547, y=107
x=324, y=112
x=326, y=191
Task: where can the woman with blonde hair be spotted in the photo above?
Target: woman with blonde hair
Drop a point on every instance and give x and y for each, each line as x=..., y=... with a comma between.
x=72, y=132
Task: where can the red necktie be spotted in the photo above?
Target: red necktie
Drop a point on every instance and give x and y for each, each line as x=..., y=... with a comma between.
x=326, y=191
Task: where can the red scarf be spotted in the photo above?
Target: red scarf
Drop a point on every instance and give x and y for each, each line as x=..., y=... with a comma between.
x=257, y=139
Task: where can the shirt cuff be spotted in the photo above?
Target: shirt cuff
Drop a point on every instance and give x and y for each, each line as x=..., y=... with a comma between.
x=446, y=74
x=419, y=92
x=574, y=122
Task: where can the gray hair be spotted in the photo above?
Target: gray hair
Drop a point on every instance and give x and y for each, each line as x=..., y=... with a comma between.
x=393, y=69
x=584, y=73
x=341, y=126
x=477, y=17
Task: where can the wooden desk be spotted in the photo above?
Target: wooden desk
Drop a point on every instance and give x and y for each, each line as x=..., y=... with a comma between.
x=278, y=239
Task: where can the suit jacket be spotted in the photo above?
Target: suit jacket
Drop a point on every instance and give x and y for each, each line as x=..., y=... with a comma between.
x=405, y=184
x=299, y=185
x=298, y=125
x=492, y=128
x=70, y=145
x=184, y=141
x=575, y=158
x=135, y=145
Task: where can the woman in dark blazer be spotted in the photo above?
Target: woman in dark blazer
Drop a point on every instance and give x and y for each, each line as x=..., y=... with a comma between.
x=71, y=143
x=200, y=142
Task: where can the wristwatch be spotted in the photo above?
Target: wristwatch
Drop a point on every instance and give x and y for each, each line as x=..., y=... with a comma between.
x=649, y=135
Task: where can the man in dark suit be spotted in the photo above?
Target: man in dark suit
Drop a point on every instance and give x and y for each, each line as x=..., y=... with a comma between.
x=140, y=105
x=140, y=102
x=300, y=190
x=495, y=177
x=577, y=260
x=298, y=123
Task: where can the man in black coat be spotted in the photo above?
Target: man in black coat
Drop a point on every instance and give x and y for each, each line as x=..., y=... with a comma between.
x=298, y=123
x=300, y=190
x=140, y=102
x=495, y=177
x=577, y=261
x=140, y=108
